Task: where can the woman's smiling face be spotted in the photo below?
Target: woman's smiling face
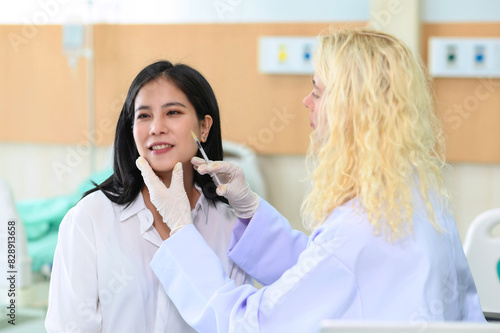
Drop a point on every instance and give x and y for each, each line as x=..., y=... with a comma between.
x=163, y=121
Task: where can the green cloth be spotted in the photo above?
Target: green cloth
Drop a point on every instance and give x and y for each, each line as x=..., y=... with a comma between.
x=41, y=251
x=498, y=270
x=40, y=216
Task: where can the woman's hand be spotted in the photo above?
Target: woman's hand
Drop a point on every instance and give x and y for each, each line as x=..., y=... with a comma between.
x=235, y=188
x=172, y=203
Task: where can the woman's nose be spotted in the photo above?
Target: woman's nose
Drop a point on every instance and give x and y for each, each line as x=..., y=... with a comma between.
x=307, y=102
x=158, y=126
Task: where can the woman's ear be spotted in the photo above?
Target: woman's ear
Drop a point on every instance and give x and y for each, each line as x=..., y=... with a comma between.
x=205, y=126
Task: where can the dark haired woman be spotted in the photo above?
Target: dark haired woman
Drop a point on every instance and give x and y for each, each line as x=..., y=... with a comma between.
x=101, y=279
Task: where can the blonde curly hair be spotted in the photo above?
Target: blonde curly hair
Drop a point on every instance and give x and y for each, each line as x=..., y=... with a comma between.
x=378, y=137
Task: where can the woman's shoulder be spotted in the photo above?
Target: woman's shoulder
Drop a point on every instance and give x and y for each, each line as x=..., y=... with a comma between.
x=351, y=214
x=344, y=223
x=88, y=214
x=81, y=217
x=94, y=205
x=94, y=200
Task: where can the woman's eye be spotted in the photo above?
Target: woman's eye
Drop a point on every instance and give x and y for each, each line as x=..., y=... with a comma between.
x=142, y=115
x=314, y=95
x=172, y=112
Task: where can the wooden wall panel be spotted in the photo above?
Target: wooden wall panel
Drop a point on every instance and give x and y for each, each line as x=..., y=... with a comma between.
x=263, y=111
x=470, y=108
x=41, y=99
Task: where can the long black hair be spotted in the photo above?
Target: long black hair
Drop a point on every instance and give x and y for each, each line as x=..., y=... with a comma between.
x=123, y=186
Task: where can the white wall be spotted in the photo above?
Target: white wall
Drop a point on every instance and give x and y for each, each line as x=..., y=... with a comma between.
x=436, y=11
x=44, y=171
x=220, y=11
x=183, y=11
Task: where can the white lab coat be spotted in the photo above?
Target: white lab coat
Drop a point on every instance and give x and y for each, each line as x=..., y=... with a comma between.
x=341, y=271
x=101, y=279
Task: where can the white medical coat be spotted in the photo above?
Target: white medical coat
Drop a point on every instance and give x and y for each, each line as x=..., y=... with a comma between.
x=101, y=279
x=341, y=271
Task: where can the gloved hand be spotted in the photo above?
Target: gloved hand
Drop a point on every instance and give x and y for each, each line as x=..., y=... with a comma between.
x=235, y=188
x=172, y=203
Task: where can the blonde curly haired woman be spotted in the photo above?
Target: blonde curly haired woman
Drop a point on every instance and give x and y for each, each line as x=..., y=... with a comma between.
x=384, y=244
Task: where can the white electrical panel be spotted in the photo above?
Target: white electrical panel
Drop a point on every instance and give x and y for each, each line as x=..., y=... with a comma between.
x=464, y=57
x=287, y=55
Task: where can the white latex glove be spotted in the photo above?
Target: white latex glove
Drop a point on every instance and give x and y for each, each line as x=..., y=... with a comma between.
x=234, y=186
x=172, y=203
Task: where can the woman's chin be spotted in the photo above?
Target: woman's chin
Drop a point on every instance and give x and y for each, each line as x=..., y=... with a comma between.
x=162, y=170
